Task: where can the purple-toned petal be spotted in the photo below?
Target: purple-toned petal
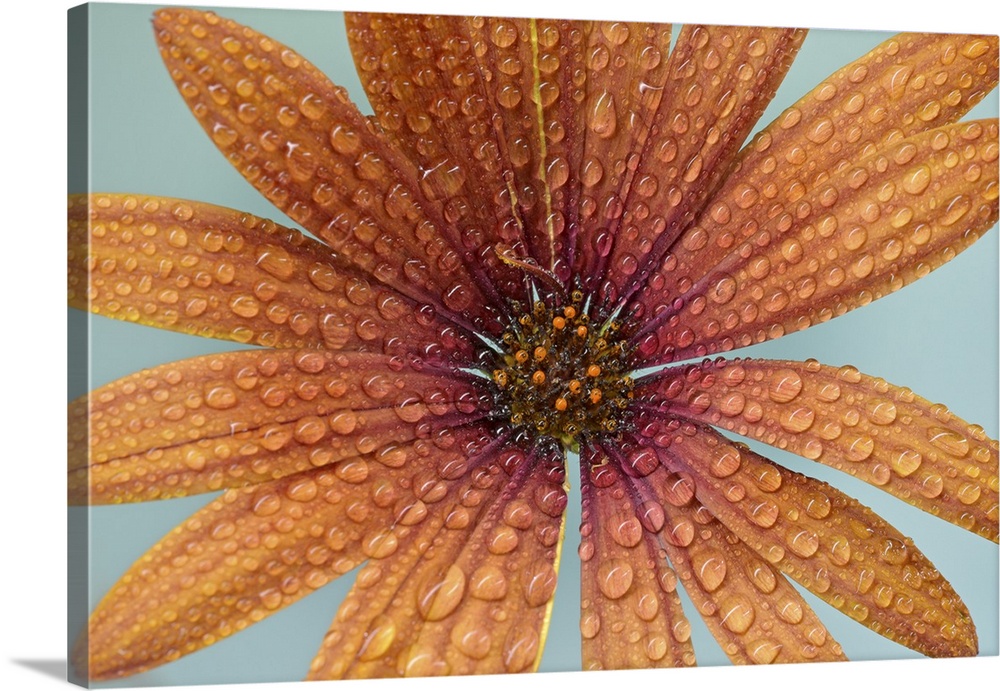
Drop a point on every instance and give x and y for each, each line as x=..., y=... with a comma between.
x=628, y=590
x=721, y=80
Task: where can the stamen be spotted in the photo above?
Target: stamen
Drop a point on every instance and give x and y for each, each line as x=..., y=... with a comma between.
x=559, y=377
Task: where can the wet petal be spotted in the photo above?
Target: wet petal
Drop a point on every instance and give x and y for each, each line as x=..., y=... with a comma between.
x=630, y=613
x=250, y=553
x=212, y=271
x=627, y=67
x=721, y=80
x=430, y=101
x=907, y=85
x=754, y=613
x=883, y=434
x=530, y=64
x=301, y=142
x=247, y=417
x=828, y=542
x=866, y=232
x=751, y=609
x=466, y=589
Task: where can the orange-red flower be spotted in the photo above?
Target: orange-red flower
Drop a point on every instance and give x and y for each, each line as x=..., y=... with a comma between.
x=539, y=212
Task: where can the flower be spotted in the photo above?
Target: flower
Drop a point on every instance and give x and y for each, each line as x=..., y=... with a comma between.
x=379, y=427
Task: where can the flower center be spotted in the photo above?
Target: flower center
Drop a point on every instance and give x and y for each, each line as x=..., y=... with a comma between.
x=562, y=376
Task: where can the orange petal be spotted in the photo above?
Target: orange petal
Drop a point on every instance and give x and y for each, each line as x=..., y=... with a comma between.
x=421, y=78
x=828, y=542
x=754, y=613
x=246, y=417
x=253, y=551
x=301, y=142
x=211, y=271
x=865, y=231
x=628, y=591
x=466, y=590
x=909, y=84
x=721, y=81
x=751, y=609
x=883, y=434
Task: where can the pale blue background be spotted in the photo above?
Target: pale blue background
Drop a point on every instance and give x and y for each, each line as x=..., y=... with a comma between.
x=938, y=337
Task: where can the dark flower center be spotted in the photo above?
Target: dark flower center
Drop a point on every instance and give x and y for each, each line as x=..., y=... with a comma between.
x=561, y=375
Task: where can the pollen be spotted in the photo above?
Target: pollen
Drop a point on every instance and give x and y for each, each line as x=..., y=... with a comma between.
x=562, y=374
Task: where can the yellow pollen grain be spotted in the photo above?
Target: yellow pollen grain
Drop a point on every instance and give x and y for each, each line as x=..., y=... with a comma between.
x=569, y=311
x=500, y=377
x=558, y=323
x=581, y=331
x=595, y=395
x=521, y=356
x=538, y=378
x=561, y=404
x=575, y=386
x=594, y=371
x=540, y=353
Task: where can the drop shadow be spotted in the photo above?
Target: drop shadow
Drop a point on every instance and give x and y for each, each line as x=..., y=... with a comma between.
x=55, y=668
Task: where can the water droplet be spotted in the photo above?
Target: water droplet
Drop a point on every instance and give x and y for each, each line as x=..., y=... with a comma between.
x=614, y=578
x=763, y=652
x=710, y=569
x=948, y=441
x=221, y=398
x=488, y=583
x=378, y=638
x=440, y=595
x=539, y=581
x=738, y=613
x=784, y=386
x=917, y=179
x=802, y=542
x=601, y=115
x=380, y=545
x=724, y=460
x=894, y=551
x=520, y=646
x=472, y=638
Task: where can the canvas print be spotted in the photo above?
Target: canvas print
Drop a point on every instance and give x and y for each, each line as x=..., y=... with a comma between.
x=433, y=345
